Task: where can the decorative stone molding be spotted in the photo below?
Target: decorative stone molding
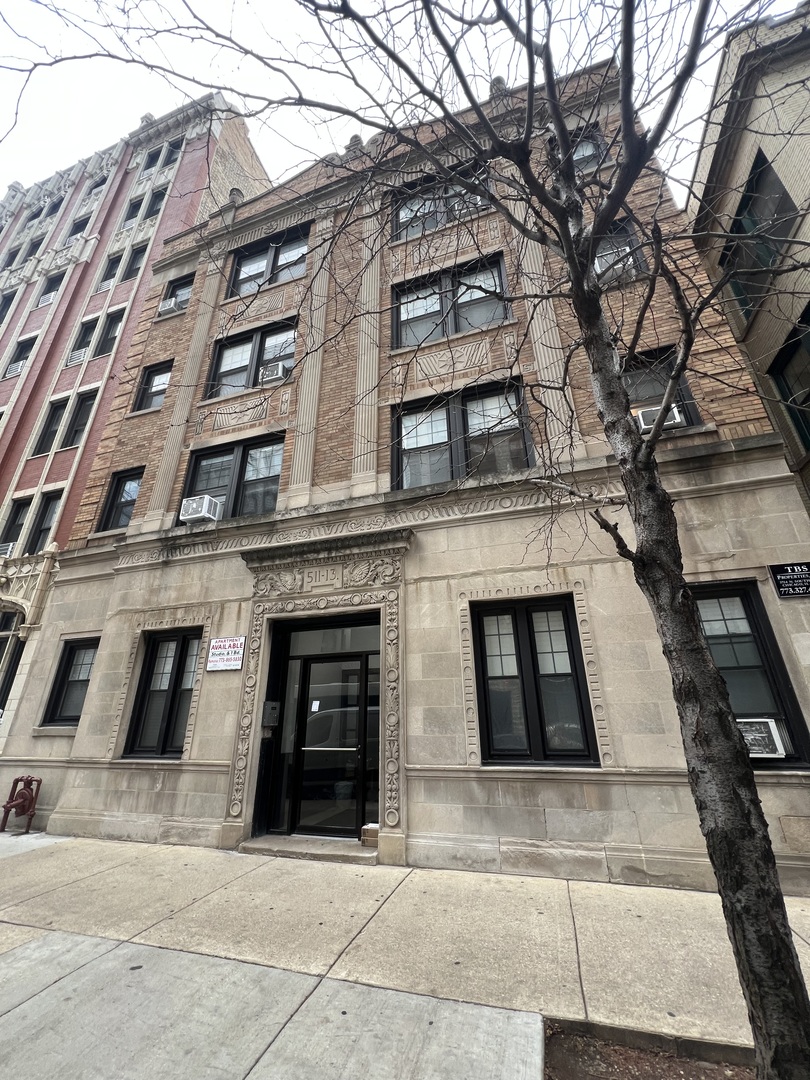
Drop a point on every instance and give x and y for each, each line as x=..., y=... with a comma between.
x=227, y=416
x=25, y=581
x=259, y=306
x=168, y=619
x=545, y=588
x=452, y=361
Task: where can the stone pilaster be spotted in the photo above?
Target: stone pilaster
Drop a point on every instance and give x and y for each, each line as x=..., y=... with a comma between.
x=364, y=457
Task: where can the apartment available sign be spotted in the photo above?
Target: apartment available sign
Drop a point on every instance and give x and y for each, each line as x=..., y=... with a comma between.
x=791, y=579
x=225, y=654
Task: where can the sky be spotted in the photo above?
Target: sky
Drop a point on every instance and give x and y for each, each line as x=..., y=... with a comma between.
x=70, y=110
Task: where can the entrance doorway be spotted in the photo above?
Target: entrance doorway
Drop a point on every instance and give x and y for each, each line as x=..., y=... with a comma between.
x=319, y=764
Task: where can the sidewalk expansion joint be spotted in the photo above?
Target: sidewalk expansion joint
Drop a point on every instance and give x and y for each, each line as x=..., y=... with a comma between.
x=370, y=919
x=576, y=948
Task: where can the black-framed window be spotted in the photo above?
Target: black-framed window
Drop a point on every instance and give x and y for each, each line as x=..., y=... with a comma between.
x=33, y=248
x=746, y=653
x=532, y=695
x=20, y=356
x=172, y=153
x=790, y=371
x=156, y=200
x=16, y=521
x=154, y=383
x=645, y=379
x=434, y=203
x=34, y=215
x=72, y=679
x=588, y=148
x=760, y=231
x=79, y=419
x=85, y=335
x=52, y=285
x=109, y=335
x=457, y=300
x=243, y=479
x=43, y=522
x=6, y=300
x=134, y=263
x=54, y=207
x=121, y=498
x=110, y=271
x=78, y=227
x=180, y=290
x=95, y=185
x=151, y=160
x=618, y=258
x=247, y=361
x=281, y=258
x=53, y=420
x=11, y=257
x=476, y=432
x=132, y=212
x=166, y=685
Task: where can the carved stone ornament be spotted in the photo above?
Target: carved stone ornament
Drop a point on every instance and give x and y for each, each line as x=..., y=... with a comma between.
x=375, y=558
x=24, y=581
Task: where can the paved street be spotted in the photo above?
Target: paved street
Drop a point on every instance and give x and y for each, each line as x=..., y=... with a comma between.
x=122, y=961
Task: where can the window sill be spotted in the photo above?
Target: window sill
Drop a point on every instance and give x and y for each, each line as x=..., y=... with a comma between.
x=142, y=412
x=451, y=340
x=103, y=534
x=400, y=241
x=219, y=402
x=169, y=315
x=266, y=288
x=65, y=731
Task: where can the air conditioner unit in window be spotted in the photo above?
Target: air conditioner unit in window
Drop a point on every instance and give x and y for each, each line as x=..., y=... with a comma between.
x=46, y=298
x=275, y=372
x=6, y=551
x=129, y=225
x=15, y=368
x=105, y=286
x=762, y=737
x=168, y=306
x=200, y=508
x=647, y=417
x=75, y=357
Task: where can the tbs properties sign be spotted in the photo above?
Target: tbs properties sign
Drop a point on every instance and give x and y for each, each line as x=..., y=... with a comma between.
x=225, y=654
x=791, y=579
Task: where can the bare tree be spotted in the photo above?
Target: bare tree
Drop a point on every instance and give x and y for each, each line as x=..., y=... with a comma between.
x=417, y=76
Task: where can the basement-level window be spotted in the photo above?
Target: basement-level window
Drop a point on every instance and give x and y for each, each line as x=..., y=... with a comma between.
x=72, y=679
x=745, y=650
x=532, y=696
x=164, y=695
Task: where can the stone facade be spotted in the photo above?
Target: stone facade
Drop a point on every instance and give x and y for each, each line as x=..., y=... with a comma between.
x=347, y=547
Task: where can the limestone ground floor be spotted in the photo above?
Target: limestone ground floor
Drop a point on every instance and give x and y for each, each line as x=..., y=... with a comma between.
x=488, y=695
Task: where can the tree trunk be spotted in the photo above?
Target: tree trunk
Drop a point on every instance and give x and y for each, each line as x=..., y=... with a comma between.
x=720, y=773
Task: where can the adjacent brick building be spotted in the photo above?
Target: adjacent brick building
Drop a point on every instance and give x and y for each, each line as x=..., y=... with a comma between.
x=316, y=587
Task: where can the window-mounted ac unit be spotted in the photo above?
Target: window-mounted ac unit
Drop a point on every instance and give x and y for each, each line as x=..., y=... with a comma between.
x=46, y=298
x=75, y=357
x=129, y=225
x=200, y=508
x=168, y=306
x=275, y=372
x=762, y=737
x=6, y=551
x=14, y=368
x=647, y=417
x=105, y=286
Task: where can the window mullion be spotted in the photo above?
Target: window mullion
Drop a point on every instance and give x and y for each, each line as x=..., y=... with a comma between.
x=531, y=695
x=253, y=366
x=171, y=693
x=458, y=436
x=235, y=480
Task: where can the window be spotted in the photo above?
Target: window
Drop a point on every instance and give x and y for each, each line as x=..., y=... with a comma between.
x=172, y=153
x=645, y=379
x=155, y=202
x=11, y=650
x=154, y=382
x=435, y=204
x=54, y=207
x=479, y=432
x=71, y=682
x=133, y=210
x=180, y=291
x=134, y=263
x=16, y=521
x=56, y=411
x=78, y=227
x=52, y=285
x=164, y=694
x=123, y=493
x=11, y=258
x=744, y=649
x=20, y=356
x=96, y=185
x=34, y=215
x=761, y=229
x=791, y=373
x=282, y=258
x=82, y=411
x=152, y=158
x=112, y=326
x=33, y=248
x=44, y=522
x=243, y=479
x=110, y=271
x=531, y=687
x=6, y=300
x=85, y=335
x=247, y=361
x=618, y=257
x=457, y=300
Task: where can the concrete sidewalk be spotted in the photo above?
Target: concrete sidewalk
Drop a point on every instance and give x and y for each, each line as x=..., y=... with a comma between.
x=122, y=958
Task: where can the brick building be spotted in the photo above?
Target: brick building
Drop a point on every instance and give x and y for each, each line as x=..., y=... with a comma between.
x=316, y=586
